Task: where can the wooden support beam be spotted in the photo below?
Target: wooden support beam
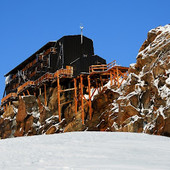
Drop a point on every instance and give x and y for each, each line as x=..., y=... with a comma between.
x=58, y=96
x=114, y=76
x=4, y=108
x=97, y=87
x=45, y=95
x=81, y=93
x=75, y=94
x=28, y=92
x=23, y=94
x=9, y=103
x=85, y=99
x=65, y=103
x=111, y=83
x=117, y=72
x=93, y=93
x=101, y=83
x=67, y=90
x=101, y=80
x=40, y=91
x=89, y=91
x=124, y=77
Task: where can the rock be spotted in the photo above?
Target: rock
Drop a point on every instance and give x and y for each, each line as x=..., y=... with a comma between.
x=166, y=128
x=128, y=89
x=9, y=112
x=7, y=134
x=53, y=100
x=43, y=116
x=145, y=99
x=111, y=95
x=51, y=130
x=167, y=112
x=134, y=79
x=40, y=106
x=22, y=114
x=159, y=101
x=147, y=78
x=139, y=63
x=69, y=113
x=20, y=130
x=74, y=126
x=151, y=37
x=30, y=103
x=130, y=110
x=159, y=125
x=134, y=100
x=138, y=126
x=158, y=70
x=29, y=123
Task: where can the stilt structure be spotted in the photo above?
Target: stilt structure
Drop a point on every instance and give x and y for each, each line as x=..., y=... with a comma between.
x=45, y=95
x=75, y=94
x=89, y=91
x=58, y=96
x=81, y=96
x=97, y=77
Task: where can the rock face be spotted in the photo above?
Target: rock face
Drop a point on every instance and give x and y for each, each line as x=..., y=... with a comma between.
x=144, y=102
x=141, y=104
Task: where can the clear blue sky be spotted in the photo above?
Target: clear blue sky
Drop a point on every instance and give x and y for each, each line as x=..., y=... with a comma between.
x=117, y=27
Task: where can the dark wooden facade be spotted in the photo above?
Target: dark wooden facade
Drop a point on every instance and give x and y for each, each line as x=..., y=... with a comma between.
x=67, y=51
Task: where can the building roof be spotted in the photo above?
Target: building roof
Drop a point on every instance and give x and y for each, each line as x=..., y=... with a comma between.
x=20, y=66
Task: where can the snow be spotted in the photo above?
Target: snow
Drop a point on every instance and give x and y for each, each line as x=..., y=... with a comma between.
x=160, y=40
x=164, y=29
x=86, y=150
x=168, y=81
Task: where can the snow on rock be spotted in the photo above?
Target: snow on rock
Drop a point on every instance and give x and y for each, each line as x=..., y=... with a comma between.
x=145, y=95
x=86, y=150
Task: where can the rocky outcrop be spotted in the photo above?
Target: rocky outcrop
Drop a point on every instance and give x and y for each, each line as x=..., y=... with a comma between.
x=144, y=102
x=141, y=104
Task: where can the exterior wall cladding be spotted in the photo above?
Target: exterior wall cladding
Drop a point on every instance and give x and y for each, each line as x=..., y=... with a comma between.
x=75, y=54
x=69, y=51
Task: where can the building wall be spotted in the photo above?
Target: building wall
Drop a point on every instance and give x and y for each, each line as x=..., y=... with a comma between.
x=69, y=51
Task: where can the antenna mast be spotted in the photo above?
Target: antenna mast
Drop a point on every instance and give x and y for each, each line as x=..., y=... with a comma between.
x=81, y=27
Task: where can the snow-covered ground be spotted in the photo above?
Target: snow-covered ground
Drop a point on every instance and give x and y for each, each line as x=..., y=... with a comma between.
x=86, y=150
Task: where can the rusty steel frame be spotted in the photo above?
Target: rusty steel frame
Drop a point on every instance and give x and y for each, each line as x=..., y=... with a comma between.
x=81, y=96
x=113, y=72
x=75, y=94
x=58, y=97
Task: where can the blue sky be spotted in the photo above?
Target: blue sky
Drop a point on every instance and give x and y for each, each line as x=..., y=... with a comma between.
x=117, y=28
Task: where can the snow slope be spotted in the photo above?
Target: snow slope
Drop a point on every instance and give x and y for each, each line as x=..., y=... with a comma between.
x=86, y=150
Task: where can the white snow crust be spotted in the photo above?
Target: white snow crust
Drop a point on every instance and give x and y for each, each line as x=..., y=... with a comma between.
x=86, y=150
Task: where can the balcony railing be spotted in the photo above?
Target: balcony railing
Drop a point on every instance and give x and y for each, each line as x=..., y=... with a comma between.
x=25, y=85
x=45, y=77
x=102, y=67
x=68, y=72
x=9, y=96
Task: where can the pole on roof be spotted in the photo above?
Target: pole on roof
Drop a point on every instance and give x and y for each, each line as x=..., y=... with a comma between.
x=81, y=27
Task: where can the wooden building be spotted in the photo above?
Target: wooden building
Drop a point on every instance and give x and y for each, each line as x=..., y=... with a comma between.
x=69, y=51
